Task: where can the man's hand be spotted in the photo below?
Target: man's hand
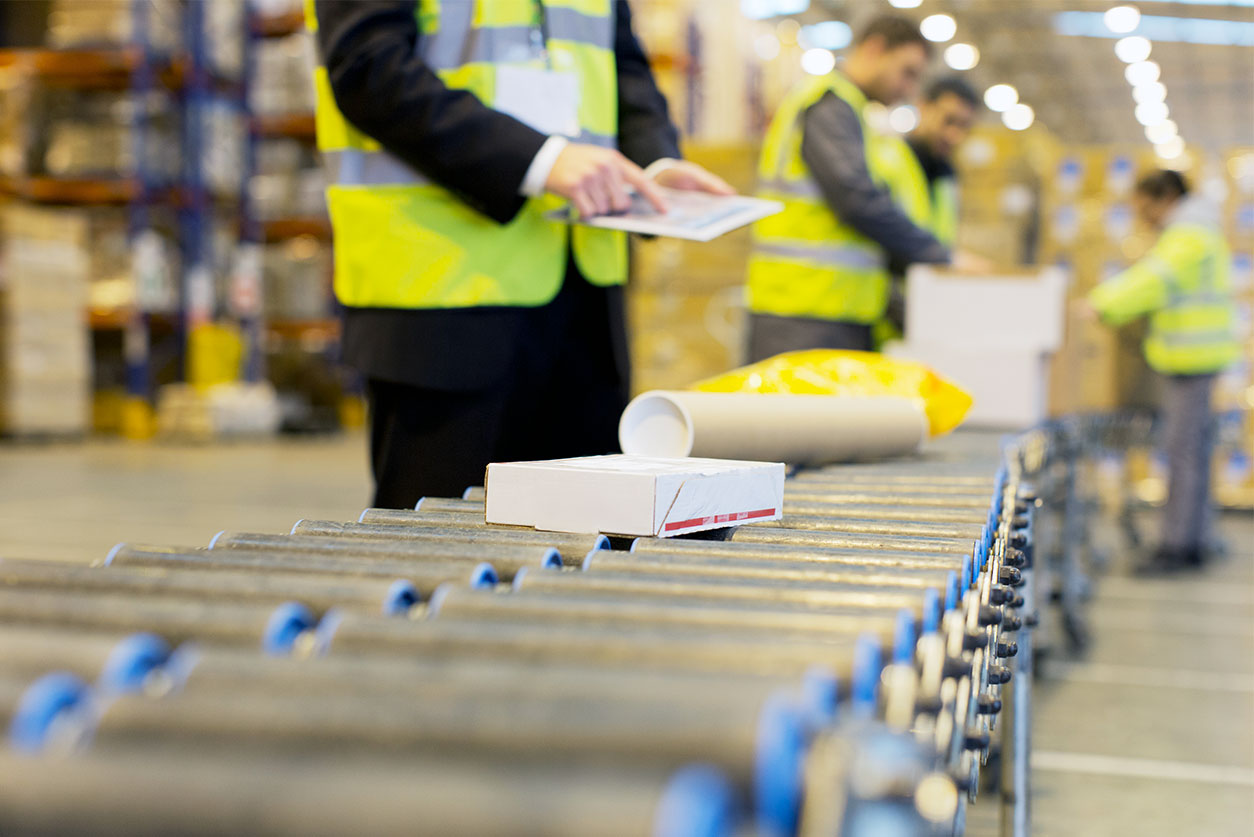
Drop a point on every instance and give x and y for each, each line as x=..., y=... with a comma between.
x=595, y=180
x=964, y=261
x=692, y=178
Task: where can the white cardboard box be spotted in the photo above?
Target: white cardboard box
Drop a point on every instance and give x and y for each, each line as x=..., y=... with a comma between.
x=1024, y=311
x=1009, y=387
x=634, y=496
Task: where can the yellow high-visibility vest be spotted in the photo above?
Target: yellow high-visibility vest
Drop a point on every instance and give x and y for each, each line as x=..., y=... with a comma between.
x=1184, y=287
x=932, y=206
x=943, y=207
x=403, y=241
x=806, y=262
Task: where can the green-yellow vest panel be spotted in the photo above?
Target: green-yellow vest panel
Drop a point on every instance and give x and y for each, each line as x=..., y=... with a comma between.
x=1184, y=287
x=806, y=262
x=402, y=241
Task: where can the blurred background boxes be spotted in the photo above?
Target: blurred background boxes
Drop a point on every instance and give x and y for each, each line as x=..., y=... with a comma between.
x=45, y=366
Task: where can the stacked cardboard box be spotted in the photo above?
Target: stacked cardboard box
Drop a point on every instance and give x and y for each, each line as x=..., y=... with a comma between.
x=289, y=182
x=686, y=299
x=297, y=276
x=998, y=193
x=45, y=371
x=1089, y=228
x=93, y=23
x=992, y=335
x=284, y=76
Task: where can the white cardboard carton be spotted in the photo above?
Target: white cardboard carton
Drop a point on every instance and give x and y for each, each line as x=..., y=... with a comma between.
x=1009, y=387
x=1022, y=310
x=634, y=496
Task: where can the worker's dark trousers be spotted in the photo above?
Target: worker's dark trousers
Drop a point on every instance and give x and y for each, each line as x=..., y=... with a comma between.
x=770, y=335
x=1187, y=440
x=563, y=395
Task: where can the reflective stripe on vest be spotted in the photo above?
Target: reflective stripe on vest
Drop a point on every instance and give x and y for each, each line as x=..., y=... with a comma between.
x=1194, y=333
x=944, y=221
x=403, y=241
x=806, y=262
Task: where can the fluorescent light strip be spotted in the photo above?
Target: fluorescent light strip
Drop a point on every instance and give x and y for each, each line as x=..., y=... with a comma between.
x=1161, y=29
x=1243, y=4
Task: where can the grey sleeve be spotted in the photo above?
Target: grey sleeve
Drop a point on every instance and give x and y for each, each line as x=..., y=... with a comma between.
x=832, y=148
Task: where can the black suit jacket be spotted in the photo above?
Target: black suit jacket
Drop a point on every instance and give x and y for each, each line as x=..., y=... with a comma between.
x=384, y=89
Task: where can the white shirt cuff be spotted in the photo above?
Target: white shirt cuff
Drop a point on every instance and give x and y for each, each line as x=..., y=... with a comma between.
x=538, y=172
x=659, y=165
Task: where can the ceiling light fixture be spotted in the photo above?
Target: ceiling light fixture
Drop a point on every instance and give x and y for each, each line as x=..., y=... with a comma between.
x=818, y=62
x=903, y=119
x=1142, y=72
x=1000, y=97
x=1160, y=132
x=1151, y=113
x=961, y=56
x=1122, y=19
x=938, y=28
x=1155, y=91
x=1019, y=118
x=1132, y=49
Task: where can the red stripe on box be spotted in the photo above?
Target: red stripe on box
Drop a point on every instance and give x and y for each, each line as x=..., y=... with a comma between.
x=734, y=517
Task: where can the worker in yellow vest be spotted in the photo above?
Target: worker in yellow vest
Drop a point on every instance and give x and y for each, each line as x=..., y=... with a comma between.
x=819, y=273
x=485, y=330
x=1182, y=285
x=947, y=113
x=924, y=182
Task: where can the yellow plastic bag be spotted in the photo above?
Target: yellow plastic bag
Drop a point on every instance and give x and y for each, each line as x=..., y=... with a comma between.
x=831, y=372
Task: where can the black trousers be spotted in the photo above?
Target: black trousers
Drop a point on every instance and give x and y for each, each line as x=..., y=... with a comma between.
x=562, y=397
x=770, y=335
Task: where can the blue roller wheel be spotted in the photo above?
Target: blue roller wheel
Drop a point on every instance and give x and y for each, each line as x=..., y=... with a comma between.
x=698, y=802
x=952, y=594
x=402, y=595
x=777, y=771
x=867, y=665
x=904, y=638
x=821, y=694
x=484, y=575
x=132, y=660
x=46, y=700
x=932, y=610
x=289, y=620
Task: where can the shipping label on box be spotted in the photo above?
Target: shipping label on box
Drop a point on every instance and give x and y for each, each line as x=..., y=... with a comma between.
x=634, y=496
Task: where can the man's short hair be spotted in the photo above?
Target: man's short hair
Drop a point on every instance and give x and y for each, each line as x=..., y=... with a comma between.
x=895, y=30
x=1163, y=183
x=954, y=86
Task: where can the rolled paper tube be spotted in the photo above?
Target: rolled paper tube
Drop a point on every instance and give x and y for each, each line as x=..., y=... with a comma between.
x=800, y=429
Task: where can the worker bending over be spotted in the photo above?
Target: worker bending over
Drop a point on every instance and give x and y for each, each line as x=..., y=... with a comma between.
x=1182, y=285
x=819, y=274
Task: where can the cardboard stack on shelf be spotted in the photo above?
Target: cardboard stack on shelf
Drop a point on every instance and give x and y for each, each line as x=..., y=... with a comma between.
x=297, y=276
x=45, y=370
x=999, y=186
x=284, y=75
x=1088, y=228
x=93, y=23
x=686, y=299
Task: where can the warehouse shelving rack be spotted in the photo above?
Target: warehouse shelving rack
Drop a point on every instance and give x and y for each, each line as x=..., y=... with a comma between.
x=301, y=127
x=195, y=85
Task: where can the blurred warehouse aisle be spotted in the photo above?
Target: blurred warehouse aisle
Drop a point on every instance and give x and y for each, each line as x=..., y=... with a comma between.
x=73, y=502
x=1152, y=733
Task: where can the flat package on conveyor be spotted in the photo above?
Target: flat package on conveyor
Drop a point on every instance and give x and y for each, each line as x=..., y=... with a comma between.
x=634, y=496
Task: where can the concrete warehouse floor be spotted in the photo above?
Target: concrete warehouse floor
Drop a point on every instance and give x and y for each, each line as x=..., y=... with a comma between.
x=1151, y=733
